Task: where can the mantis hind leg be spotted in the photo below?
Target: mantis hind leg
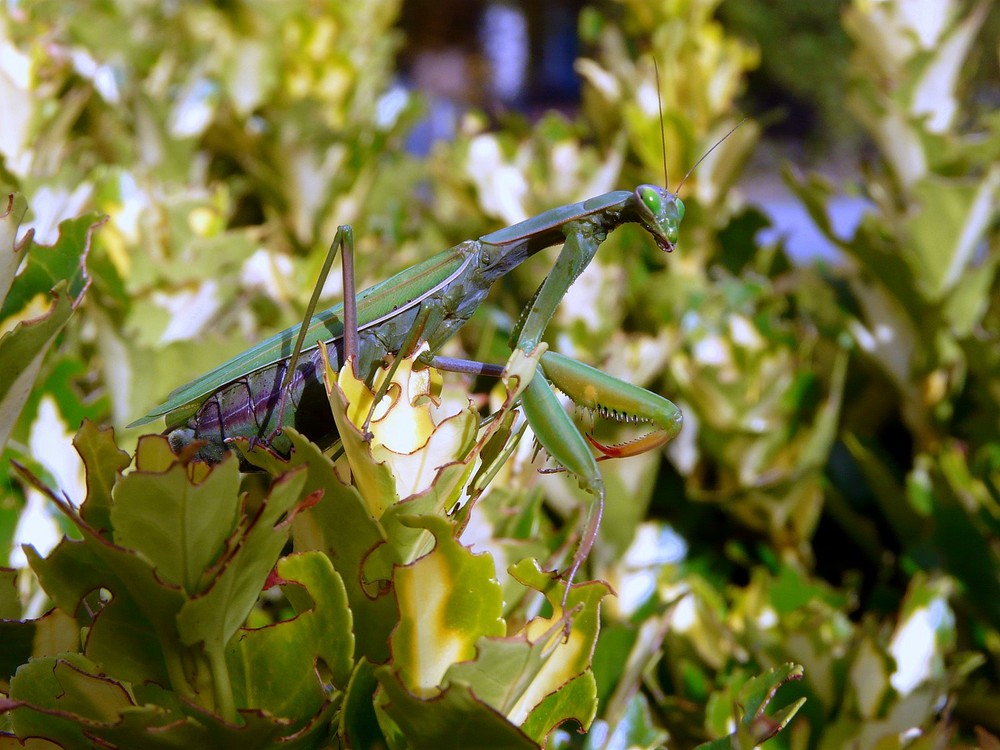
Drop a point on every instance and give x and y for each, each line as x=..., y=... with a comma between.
x=344, y=241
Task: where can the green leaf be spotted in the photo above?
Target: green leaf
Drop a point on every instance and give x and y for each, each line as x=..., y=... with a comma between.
x=359, y=725
x=758, y=692
x=103, y=462
x=969, y=301
x=180, y=526
x=574, y=701
x=134, y=632
x=11, y=252
x=374, y=480
x=754, y=726
x=453, y=718
x=47, y=267
x=64, y=697
x=55, y=274
x=126, y=644
x=557, y=657
x=215, y=615
x=407, y=542
x=942, y=237
x=276, y=668
x=340, y=525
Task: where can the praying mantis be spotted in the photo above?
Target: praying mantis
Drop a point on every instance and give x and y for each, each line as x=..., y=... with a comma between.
x=278, y=383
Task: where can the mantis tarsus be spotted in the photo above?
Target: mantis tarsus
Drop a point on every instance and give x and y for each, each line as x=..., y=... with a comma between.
x=278, y=383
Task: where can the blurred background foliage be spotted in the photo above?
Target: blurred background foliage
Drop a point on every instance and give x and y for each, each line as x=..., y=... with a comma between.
x=834, y=497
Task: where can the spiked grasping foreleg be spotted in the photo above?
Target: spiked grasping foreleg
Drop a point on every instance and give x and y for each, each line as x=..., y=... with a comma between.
x=609, y=397
x=556, y=432
x=617, y=400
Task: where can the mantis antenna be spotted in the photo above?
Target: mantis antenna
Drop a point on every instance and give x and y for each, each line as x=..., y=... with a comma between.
x=705, y=155
x=663, y=140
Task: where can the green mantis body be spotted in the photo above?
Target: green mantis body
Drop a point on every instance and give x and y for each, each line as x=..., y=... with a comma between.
x=254, y=395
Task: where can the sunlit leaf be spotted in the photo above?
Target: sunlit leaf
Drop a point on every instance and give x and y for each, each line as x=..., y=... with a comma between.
x=56, y=276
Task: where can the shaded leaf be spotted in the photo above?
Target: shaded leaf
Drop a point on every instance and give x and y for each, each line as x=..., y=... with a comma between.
x=277, y=668
x=180, y=526
x=453, y=718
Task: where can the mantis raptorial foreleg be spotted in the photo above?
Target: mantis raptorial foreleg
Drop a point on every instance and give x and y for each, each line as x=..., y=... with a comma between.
x=617, y=400
x=556, y=432
x=582, y=241
x=549, y=421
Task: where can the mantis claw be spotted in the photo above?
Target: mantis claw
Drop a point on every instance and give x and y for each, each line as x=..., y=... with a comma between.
x=614, y=399
x=648, y=442
x=555, y=431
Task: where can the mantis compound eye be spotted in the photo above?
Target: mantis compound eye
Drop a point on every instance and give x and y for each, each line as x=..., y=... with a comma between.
x=652, y=200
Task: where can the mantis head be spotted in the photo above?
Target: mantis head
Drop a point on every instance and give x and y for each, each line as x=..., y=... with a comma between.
x=661, y=213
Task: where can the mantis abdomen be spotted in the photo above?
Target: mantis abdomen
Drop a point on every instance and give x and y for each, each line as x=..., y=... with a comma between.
x=259, y=404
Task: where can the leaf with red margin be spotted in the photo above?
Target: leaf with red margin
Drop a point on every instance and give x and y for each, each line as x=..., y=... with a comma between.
x=57, y=273
x=276, y=668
